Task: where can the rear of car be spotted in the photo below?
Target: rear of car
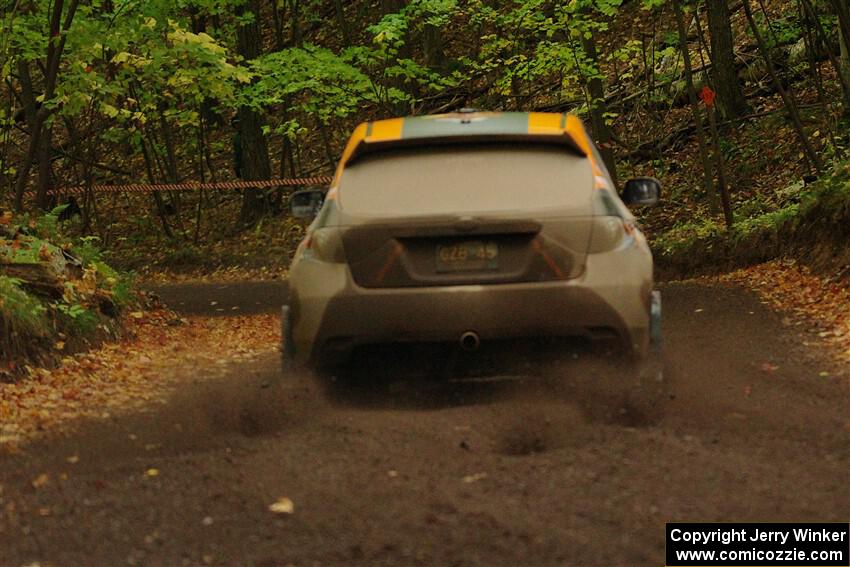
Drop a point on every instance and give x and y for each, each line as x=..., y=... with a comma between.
x=468, y=228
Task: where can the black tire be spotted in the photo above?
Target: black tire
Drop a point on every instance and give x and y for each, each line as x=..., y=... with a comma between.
x=648, y=392
x=287, y=347
x=650, y=370
x=655, y=337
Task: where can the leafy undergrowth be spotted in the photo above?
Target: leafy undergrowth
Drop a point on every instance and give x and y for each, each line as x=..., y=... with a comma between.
x=160, y=351
x=811, y=223
x=57, y=295
x=818, y=305
x=236, y=273
x=163, y=351
x=206, y=246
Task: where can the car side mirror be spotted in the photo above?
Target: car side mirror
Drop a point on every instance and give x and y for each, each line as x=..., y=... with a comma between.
x=306, y=204
x=642, y=191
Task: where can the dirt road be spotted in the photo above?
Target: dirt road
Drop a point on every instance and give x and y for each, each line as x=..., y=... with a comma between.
x=506, y=473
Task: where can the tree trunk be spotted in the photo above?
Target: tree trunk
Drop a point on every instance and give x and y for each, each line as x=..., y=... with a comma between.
x=432, y=47
x=787, y=98
x=598, y=110
x=842, y=11
x=44, y=157
x=38, y=149
x=733, y=104
x=695, y=110
x=842, y=8
x=157, y=198
x=339, y=10
x=37, y=119
x=295, y=18
x=823, y=39
x=725, y=201
x=255, y=164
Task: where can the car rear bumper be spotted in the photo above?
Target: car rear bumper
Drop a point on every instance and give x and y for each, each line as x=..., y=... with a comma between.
x=328, y=326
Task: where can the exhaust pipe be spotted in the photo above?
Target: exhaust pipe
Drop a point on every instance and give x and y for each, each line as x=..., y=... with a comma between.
x=470, y=341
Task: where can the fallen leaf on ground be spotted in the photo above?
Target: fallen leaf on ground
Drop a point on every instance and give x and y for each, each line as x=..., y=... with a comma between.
x=283, y=505
x=131, y=374
x=40, y=480
x=808, y=301
x=469, y=479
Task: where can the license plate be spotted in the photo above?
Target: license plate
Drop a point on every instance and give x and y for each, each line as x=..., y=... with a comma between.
x=469, y=255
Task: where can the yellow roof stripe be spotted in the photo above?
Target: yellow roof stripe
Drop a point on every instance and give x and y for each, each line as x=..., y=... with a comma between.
x=550, y=123
x=357, y=136
x=577, y=132
x=386, y=130
x=545, y=123
x=539, y=123
x=380, y=131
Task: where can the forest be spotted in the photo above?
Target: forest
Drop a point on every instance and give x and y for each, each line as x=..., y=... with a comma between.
x=170, y=315
x=739, y=108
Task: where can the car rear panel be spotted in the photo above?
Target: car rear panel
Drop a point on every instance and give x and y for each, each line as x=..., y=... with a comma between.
x=482, y=214
x=332, y=314
x=484, y=222
x=456, y=251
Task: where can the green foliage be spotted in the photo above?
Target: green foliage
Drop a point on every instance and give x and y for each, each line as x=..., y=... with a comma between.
x=123, y=291
x=76, y=318
x=21, y=313
x=314, y=80
x=753, y=207
x=77, y=294
x=532, y=42
x=780, y=31
x=684, y=234
x=139, y=71
x=826, y=202
x=87, y=251
x=47, y=225
x=157, y=70
x=772, y=220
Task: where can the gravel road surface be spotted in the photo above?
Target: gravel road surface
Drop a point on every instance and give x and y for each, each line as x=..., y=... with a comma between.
x=512, y=472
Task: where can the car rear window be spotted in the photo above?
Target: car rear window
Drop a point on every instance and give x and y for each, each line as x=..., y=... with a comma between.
x=485, y=179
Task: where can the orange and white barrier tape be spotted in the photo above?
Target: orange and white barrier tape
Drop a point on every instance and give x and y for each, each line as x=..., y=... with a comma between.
x=191, y=186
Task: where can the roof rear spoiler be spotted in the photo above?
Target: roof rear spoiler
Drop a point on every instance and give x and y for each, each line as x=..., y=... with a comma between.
x=365, y=147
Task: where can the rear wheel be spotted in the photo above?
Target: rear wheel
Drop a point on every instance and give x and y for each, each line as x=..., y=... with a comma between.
x=626, y=388
x=649, y=388
x=651, y=368
x=287, y=347
x=655, y=322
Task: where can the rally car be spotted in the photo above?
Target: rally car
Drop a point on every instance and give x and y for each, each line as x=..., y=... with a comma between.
x=465, y=228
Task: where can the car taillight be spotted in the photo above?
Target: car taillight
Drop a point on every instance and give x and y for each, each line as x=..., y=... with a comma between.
x=609, y=232
x=389, y=263
x=558, y=271
x=324, y=244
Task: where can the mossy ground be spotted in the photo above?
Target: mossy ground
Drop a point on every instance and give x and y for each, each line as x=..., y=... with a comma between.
x=57, y=295
x=810, y=223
